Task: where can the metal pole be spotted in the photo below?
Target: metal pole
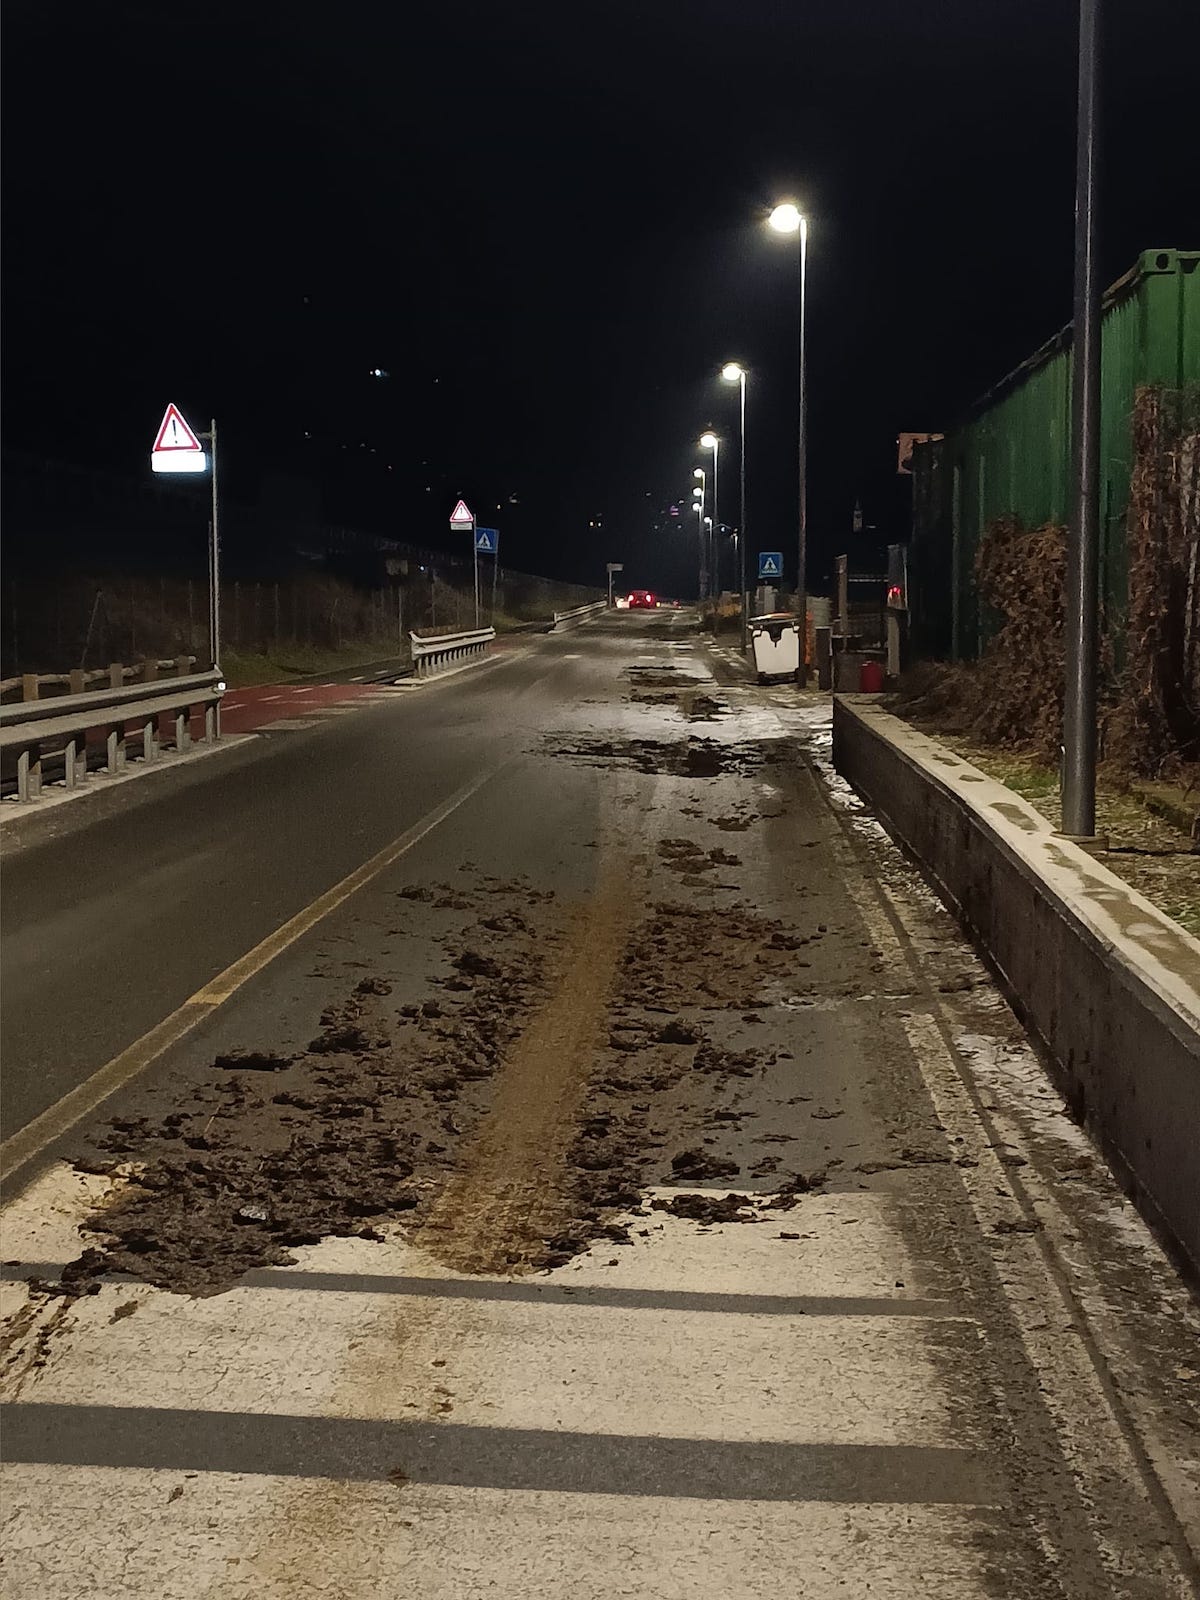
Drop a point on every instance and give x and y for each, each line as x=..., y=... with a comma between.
x=714, y=560
x=214, y=560
x=700, y=534
x=802, y=485
x=742, y=516
x=495, y=571
x=476, y=552
x=1079, y=698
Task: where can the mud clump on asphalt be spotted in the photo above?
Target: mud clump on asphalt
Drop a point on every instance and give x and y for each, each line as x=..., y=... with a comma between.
x=684, y=758
x=708, y=1208
x=682, y=956
x=694, y=1166
x=688, y=858
x=253, y=1061
x=275, y=1152
x=703, y=708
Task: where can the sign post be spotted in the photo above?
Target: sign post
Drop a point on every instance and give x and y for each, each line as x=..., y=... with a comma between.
x=487, y=543
x=177, y=449
x=214, y=560
x=462, y=520
x=613, y=566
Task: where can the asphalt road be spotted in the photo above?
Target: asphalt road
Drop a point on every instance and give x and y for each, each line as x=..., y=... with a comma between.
x=115, y=914
x=628, y=1181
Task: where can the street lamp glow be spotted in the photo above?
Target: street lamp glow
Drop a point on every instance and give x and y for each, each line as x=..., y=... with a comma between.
x=732, y=372
x=708, y=441
x=697, y=472
x=785, y=218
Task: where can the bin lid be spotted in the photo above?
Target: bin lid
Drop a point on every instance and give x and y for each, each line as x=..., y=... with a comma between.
x=776, y=616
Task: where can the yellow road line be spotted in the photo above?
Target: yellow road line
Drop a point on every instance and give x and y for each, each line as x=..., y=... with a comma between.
x=26, y=1145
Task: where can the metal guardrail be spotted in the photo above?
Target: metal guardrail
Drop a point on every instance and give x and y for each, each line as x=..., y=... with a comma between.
x=571, y=619
x=36, y=729
x=436, y=653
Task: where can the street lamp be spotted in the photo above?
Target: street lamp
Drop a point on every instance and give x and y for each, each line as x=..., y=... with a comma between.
x=786, y=218
x=709, y=441
x=734, y=372
x=699, y=495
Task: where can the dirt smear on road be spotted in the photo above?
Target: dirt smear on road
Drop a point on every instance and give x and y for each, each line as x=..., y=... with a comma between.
x=565, y=1061
x=274, y=1152
x=681, y=758
x=497, y=1209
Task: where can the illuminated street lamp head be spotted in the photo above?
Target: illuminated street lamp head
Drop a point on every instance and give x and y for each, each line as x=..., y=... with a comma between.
x=708, y=441
x=785, y=218
x=697, y=472
x=697, y=494
x=733, y=372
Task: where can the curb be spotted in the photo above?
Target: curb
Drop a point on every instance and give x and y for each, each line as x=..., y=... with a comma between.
x=1107, y=982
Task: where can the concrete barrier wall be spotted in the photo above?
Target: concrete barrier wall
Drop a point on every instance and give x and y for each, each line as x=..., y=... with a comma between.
x=1107, y=982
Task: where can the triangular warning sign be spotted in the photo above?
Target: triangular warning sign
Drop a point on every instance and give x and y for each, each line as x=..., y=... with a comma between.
x=460, y=516
x=174, y=433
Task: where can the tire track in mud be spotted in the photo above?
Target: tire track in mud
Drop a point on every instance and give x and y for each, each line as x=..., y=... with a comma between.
x=507, y=1197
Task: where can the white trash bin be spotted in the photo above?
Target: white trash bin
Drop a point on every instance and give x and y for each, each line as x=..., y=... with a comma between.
x=776, y=642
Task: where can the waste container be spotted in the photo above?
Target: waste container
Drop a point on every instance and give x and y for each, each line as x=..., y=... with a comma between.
x=871, y=678
x=775, y=639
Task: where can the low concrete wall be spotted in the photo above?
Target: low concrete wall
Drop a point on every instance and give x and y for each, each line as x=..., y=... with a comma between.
x=1109, y=984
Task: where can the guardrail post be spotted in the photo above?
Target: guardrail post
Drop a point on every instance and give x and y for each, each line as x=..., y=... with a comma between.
x=114, y=747
x=150, y=739
x=29, y=686
x=183, y=732
x=183, y=665
x=29, y=773
x=76, y=681
x=116, y=675
x=71, y=759
x=150, y=671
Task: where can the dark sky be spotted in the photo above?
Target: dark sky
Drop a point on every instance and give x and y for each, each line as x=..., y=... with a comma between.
x=545, y=222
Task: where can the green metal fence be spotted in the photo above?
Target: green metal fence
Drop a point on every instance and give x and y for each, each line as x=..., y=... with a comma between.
x=1011, y=456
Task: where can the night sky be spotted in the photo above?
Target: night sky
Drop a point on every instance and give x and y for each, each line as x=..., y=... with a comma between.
x=545, y=224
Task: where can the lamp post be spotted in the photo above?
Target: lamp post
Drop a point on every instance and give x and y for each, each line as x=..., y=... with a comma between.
x=700, y=494
x=1079, y=697
x=786, y=218
x=733, y=372
x=709, y=441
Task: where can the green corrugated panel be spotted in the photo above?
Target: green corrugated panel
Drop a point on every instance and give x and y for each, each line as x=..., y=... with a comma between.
x=1012, y=457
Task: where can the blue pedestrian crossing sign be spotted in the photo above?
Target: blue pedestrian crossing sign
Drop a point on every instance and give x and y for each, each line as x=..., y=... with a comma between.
x=770, y=563
x=487, y=541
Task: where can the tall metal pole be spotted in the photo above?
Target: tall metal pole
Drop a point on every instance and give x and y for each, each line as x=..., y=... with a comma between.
x=700, y=510
x=714, y=559
x=475, y=553
x=802, y=483
x=1079, y=698
x=214, y=560
x=742, y=514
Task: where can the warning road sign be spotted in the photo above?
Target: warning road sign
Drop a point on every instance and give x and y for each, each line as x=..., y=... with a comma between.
x=487, y=541
x=770, y=563
x=460, y=517
x=176, y=448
